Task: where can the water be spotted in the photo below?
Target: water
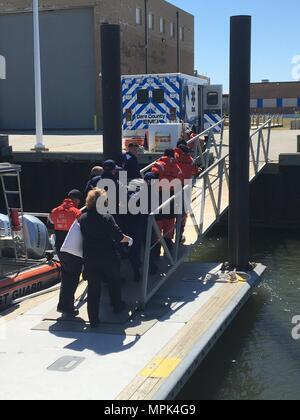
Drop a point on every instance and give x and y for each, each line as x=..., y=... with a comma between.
x=257, y=358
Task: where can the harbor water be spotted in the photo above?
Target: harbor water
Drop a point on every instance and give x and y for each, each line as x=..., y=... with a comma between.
x=257, y=358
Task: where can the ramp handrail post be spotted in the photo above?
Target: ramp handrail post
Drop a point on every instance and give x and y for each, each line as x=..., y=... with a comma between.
x=221, y=177
x=268, y=142
x=258, y=148
x=179, y=221
x=221, y=140
x=147, y=257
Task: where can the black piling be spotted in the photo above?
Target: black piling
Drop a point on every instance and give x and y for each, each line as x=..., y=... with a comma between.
x=239, y=195
x=111, y=90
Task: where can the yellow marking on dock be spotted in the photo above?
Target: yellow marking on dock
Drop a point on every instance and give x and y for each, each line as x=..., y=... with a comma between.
x=160, y=368
x=145, y=387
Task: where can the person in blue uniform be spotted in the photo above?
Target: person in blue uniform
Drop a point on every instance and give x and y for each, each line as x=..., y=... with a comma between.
x=129, y=162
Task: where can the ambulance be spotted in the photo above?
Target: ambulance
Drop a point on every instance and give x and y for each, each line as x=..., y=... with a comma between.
x=168, y=99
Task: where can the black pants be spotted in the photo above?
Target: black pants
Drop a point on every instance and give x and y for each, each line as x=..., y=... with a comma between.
x=102, y=271
x=71, y=268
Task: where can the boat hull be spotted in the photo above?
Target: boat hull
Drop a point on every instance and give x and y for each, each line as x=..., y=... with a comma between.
x=26, y=281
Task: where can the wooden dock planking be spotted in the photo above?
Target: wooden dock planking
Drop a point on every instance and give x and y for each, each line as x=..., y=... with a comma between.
x=179, y=348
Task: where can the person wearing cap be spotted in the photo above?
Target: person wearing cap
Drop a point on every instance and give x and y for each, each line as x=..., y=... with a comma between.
x=186, y=163
x=129, y=162
x=62, y=218
x=97, y=171
x=109, y=171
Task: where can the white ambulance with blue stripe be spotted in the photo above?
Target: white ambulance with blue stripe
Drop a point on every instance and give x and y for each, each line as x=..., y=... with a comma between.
x=169, y=98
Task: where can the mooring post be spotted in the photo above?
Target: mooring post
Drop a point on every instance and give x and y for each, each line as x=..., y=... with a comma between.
x=298, y=144
x=111, y=90
x=239, y=194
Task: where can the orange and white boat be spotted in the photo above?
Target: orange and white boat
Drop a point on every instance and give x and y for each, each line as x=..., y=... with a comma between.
x=26, y=264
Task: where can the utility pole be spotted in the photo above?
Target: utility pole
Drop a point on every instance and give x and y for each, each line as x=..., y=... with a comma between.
x=239, y=143
x=146, y=38
x=178, y=40
x=39, y=147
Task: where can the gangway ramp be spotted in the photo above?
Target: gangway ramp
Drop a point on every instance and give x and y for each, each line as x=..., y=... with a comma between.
x=210, y=200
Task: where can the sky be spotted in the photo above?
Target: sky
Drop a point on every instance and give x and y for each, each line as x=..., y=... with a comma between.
x=275, y=37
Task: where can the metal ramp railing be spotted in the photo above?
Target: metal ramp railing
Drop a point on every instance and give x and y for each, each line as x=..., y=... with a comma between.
x=209, y=201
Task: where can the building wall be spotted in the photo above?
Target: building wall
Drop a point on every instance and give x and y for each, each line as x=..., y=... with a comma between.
x=162, y=48
x=279, y=97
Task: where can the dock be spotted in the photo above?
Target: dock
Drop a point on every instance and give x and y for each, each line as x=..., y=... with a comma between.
x=149, y=356
x=173, y=319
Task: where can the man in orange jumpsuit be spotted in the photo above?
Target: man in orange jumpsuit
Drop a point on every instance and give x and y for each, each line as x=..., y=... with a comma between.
x=166, y=168
x=63, y=218
x=188, y=170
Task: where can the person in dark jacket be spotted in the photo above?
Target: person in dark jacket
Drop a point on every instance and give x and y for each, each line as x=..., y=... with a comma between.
x=109, y=171
x=129, y=162
x=101, y=236
x=97, y=171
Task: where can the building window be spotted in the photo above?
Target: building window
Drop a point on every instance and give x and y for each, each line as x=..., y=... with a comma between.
x=138, y=16
x=151, y=21
x=181, y=33
x=260, y=103
x=279, y=102
x=162, y=25
x=172, y=30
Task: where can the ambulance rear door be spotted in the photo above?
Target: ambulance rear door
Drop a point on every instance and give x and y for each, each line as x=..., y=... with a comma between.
x=212, y=100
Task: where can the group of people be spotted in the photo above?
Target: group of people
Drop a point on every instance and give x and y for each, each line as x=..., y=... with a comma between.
x=103, y=235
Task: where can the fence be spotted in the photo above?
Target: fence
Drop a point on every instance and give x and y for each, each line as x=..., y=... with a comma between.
x=259, y=120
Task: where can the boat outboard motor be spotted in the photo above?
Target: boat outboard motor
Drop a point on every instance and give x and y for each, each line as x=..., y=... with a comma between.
x=5, y=230
x=35, y=233
x=36, y=237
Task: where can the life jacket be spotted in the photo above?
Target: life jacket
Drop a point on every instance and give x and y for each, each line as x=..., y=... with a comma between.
x=65, y=215
x=167, y=168
x=186, y=164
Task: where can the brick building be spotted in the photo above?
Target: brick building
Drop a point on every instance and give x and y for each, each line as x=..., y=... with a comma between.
x=157, y=37
x=275, y=97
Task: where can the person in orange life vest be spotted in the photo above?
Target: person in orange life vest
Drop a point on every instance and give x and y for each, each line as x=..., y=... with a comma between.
x=186, y=163
x=189, y=170
x=63, y=218
x=167, y=168
x=192, y=134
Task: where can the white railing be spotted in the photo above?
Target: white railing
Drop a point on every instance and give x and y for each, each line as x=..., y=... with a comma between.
x=210, y=199
x=212, y=145
x=260, y=147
